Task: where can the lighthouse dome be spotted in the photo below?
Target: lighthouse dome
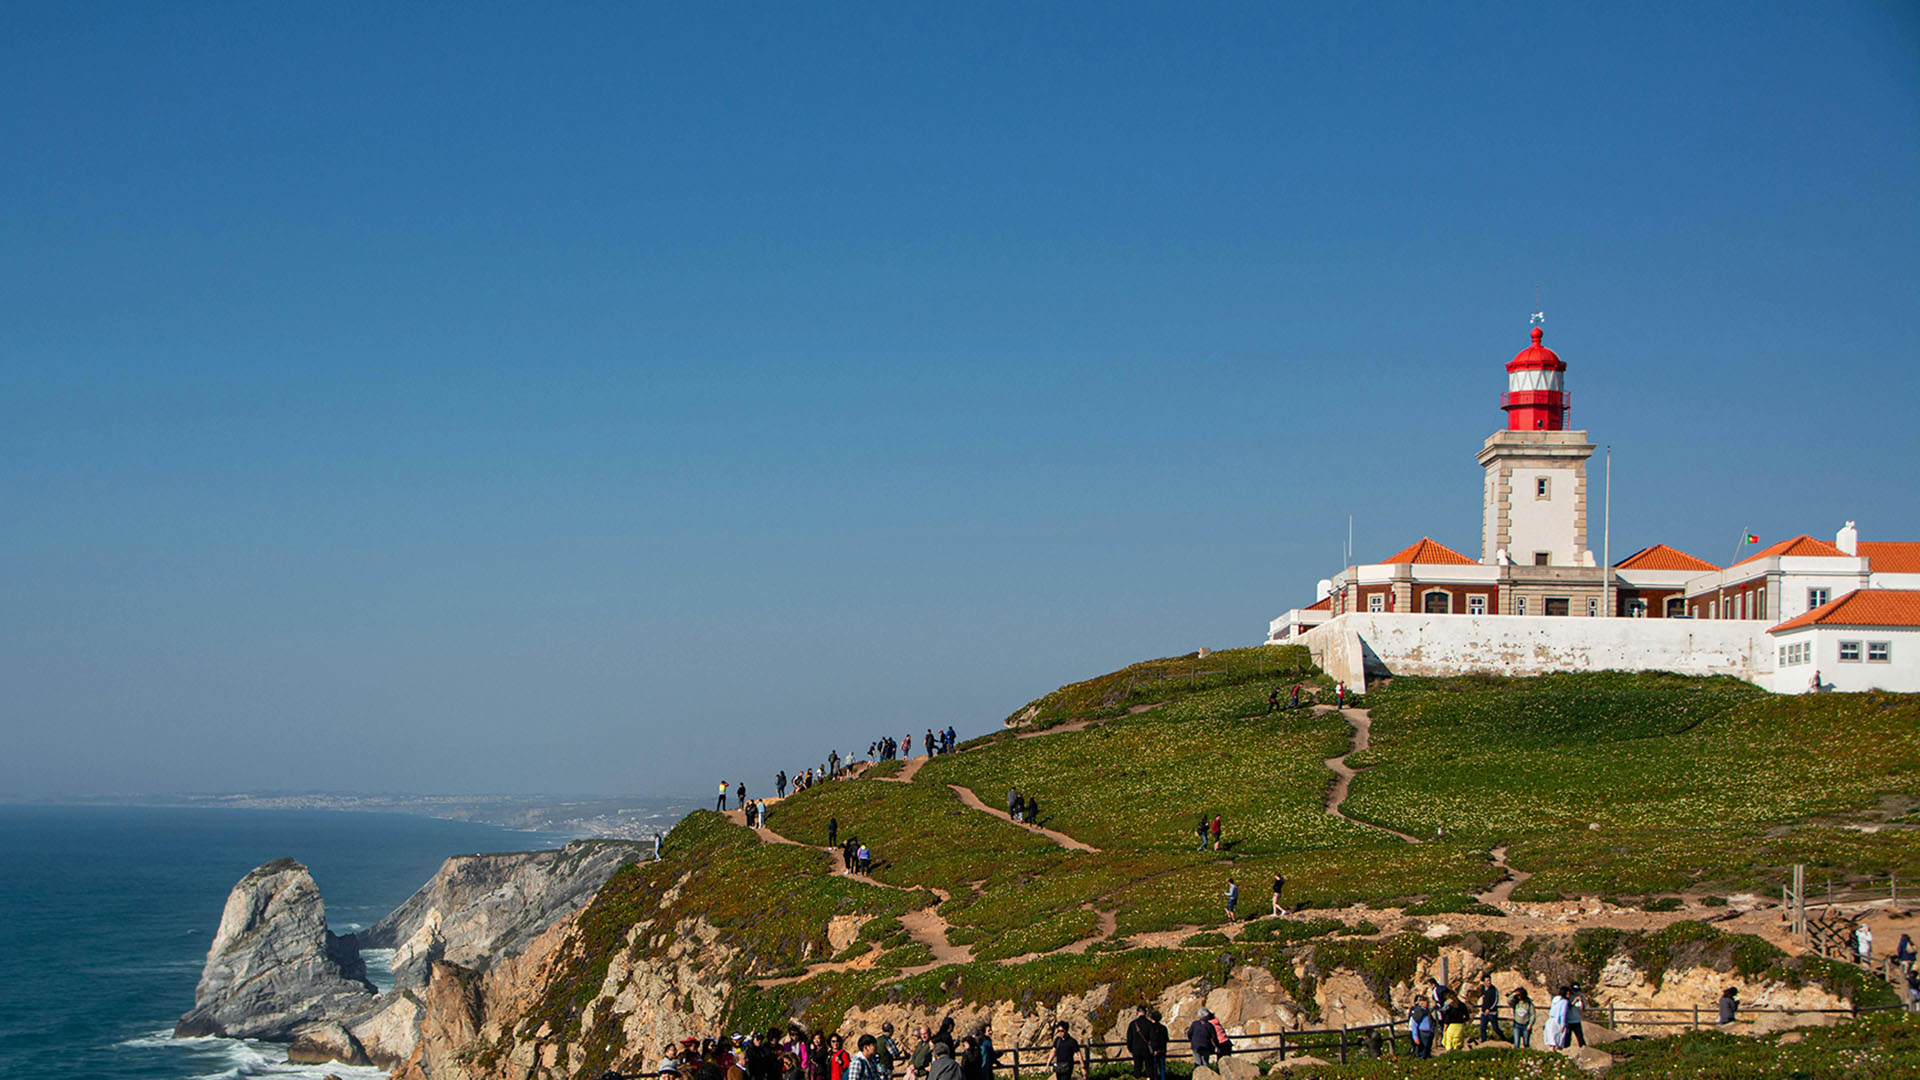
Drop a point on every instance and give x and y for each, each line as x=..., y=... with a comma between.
x=1536, y=357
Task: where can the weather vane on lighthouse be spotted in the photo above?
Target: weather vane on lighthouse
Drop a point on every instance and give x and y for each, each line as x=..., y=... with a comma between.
x=1539, y=314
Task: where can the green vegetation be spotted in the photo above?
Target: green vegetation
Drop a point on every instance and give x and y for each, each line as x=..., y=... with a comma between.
x=1153, y=681
x=1642, y=784
x=1881, y=1046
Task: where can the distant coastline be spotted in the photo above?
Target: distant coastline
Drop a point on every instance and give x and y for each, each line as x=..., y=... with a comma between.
x=583, y=816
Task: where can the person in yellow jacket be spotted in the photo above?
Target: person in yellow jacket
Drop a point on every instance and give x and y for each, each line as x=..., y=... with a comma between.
x=1453, y=1021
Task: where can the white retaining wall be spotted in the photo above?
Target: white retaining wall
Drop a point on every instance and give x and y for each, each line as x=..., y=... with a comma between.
x=1352, y=646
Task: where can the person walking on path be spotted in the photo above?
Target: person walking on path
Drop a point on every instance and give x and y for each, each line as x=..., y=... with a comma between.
x=1340, y=696
x=1273, y=700
x=1013, y=801
x=1279, y=882
x=1233, y=898
x=1296, y=696
x=1523, y=1012
x=740, y=796
x=1216, y=832
x=1203, y=832
x=833, y=831
x=866, y=860
x=1863, y=944
x=1904, y=952
x=1140, y=1043
x=1729, y=1005
x=1200, y=1039
x=656, y=845
x=780, y=784
x=1489, y=1010
x=863, y=1066
x=1420, y=1029
x=1453, y=1020
x=922, y=1058
x=839, y=1060
x=721, y=804
x=989, y=1057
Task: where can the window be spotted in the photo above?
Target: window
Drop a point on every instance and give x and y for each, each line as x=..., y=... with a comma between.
x=1593, y=607
x=1743, y=607
x=1676, y=607
x=1376, y=602
x=1760, y=602
x=1816, y=597
x=1879, y=652
x=1797, y=653
x=1540, y=488
x=1849, y=652
x=1713, y=609
x=1543, y=558
x=1557, y=605
x=1636, y=609
x=1476, y=605
x=1437, y=602
x=1520, y=605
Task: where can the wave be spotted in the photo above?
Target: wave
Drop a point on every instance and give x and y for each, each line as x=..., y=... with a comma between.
x=211, y=1057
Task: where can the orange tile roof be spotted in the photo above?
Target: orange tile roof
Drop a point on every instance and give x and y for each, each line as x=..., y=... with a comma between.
x=1862, y=607
x=1799, y=545
x=1892, y=556
x=1662, y=557
x=1428, y=551
x=1325, y=603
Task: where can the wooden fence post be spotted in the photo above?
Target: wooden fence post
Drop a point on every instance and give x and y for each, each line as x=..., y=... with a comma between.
x=1696, y=1016
x=1016, y=1061
x=1343, y=1044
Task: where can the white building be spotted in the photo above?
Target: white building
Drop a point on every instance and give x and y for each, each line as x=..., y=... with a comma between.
x=1868, y=639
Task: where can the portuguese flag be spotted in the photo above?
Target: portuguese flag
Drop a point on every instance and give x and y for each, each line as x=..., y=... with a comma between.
x=1752, y=539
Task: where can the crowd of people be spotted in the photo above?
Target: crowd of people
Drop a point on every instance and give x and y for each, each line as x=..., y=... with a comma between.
x=937, y=1054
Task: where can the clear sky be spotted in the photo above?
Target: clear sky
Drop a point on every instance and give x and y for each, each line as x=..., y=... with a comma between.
x=614, y=398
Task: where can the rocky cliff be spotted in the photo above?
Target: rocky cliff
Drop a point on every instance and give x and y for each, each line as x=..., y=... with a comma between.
x=479, y=909
x=274, y=967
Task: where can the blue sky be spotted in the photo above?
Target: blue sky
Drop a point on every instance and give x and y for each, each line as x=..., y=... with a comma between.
x=614, y=397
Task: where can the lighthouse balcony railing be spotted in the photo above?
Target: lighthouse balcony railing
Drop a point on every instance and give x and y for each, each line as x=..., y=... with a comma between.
x=1536, y=397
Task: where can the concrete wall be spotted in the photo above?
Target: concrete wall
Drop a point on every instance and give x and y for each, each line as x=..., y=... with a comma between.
x=1350, y=646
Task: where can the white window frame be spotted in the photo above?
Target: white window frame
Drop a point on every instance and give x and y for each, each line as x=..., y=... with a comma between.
x=1377, y=602
x=1817, y=597
x=1542, y=487
x=1849, y=647
x=1883, y=648
x=1476, y=605
x=1519, y=605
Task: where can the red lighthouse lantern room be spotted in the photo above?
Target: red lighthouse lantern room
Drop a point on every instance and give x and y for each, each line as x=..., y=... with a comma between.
x=1536, y=397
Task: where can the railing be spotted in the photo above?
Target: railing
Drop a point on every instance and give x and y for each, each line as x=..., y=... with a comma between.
x=1338, y=1042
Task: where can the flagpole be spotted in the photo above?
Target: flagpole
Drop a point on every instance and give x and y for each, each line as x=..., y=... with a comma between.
x=1606, y=544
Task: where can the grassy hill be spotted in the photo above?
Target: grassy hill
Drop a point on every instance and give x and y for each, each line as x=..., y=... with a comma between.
x=1617, y=785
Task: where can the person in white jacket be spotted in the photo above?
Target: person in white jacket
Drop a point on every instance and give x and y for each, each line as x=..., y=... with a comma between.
x=1554, y=1034
x=1863, y=943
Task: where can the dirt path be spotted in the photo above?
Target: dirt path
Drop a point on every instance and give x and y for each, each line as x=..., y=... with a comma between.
x=1500, y=894
x=968, y=797
x=1344, y=774
x=907, y=771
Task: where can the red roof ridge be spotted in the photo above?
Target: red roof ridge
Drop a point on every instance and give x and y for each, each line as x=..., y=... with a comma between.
x=1798, y=545
x=1429, y=551
x=1663, y=557
x=1862, y=607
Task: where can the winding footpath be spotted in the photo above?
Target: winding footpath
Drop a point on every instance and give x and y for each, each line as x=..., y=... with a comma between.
x=1500, y=894
x=973, y=802
x=1344, y=773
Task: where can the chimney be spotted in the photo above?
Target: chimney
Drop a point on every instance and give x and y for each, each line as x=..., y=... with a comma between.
x=1848, y=539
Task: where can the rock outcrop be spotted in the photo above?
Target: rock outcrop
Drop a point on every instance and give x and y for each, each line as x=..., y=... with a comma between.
x=480, y=909
x=274, y=967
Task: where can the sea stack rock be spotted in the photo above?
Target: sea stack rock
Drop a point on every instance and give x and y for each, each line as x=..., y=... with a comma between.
x=274, y=966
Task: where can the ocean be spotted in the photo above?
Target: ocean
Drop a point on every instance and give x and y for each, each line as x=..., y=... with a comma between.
x=106, y=914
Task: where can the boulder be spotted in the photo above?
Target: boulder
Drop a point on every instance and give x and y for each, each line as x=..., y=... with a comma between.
x=274, y=968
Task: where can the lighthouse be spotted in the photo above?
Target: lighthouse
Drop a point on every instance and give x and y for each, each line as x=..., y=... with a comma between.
x=1534, y=519
x=1536, y=397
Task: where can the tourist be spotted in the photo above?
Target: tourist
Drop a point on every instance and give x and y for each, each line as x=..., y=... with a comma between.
x=943, y=1067
x=1233, y=897
x=1523, y=1013
x=970, y=1058
x=932, y=749
x=1489, y=1010
x=863, y=1066
x=989, y=1057
x=1030, y=812
x=833, y=831
x=721, y=803
x=740, y=796
x=943, y=1035
x=656, y=845
x=1863, y=944
x=1420, y=1029
x=1729, y=1004
x=1202, y=830
x=1273, y=700
x=838, y=1061
x=819, y=1058
x=866, y=860
x=1576, y=1006
x=1903, y=952
x=1140, y=1043
x=1554, y=1035
x=1279, y=882
x=1216, y=832
x=886, y=1052
x=790, y=1068
x=1200, y=1039
x=1453, y=1022
x=780, y=784
x=1159, y=1044
x=908, y=744
x=1340, y=696
x=1296, y=696
x=922, y=1058
x=669, y=1061
x=1013, y=801
x=1065, y=1049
